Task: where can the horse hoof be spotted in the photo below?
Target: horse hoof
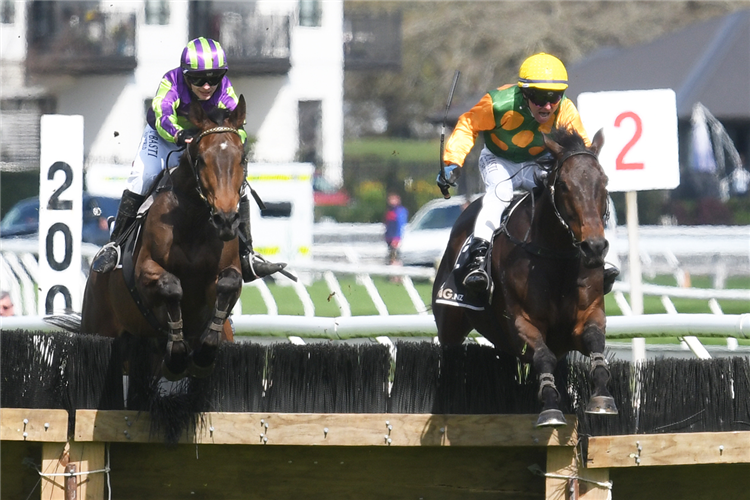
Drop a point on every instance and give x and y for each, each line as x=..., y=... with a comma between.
x=551, y=418
x=170, y=375
x=601, y=405
x=197, y=371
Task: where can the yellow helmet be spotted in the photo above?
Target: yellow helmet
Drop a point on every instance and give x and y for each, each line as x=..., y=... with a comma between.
x=543, y=71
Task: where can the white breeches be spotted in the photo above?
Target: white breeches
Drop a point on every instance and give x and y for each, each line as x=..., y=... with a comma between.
x=501, y=177
x=150, y=160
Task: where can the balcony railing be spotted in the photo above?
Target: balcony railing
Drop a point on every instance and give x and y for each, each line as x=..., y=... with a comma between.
x=255, y=44
x=77, y=38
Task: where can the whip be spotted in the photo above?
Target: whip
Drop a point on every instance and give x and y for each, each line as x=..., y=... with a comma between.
x=445, y=188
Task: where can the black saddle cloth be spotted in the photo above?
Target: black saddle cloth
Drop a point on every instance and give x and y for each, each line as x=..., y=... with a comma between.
x=453, y=292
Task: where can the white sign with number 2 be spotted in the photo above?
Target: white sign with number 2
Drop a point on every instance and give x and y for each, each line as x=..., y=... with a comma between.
x=641, y=150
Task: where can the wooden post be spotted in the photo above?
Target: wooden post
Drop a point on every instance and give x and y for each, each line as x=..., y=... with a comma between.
x=564, y=469
x=61, y=458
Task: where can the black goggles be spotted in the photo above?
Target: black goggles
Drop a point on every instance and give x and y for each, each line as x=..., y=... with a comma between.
x=542, y=97
x=200, y=80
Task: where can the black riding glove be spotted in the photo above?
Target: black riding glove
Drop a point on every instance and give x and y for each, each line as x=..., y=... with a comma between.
x=540, y=177
x=181, y=138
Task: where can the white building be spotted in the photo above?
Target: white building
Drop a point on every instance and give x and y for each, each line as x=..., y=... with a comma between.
x=104, y=60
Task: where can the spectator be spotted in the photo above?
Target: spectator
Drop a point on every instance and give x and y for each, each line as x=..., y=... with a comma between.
x=395, y=219
x=6, y=304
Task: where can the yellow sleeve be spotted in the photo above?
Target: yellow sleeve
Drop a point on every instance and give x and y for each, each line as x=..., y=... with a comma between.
x=480, y=117
x=568, y=118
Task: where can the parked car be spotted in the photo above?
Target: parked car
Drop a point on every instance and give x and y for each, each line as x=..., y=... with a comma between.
x=427, y=234
x=22, y=220
x=326, y=195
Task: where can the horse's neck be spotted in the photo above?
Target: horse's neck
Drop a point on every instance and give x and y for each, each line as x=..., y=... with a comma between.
x=546, y=228
x=185, y=188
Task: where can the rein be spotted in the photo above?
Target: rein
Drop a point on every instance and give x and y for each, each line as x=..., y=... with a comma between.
x=545, y=252
x=551, y=188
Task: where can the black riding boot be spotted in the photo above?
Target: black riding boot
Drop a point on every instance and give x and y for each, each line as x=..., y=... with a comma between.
x=610, y=275
x=253, y=266
x=477, y=279
x=109, y=255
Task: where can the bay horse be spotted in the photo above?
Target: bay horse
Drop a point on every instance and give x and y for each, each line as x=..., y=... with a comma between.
x=547, y=272
x=185, y=273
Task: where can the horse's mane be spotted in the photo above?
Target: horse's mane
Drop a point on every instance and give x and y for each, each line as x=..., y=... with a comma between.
x=568, y=138
x=218, y=115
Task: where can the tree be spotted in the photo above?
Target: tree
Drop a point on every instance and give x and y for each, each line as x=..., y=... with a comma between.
x=488, y=40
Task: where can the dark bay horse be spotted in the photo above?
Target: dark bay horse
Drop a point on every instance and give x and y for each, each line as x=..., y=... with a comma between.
x=185, y=270
x=547, y=270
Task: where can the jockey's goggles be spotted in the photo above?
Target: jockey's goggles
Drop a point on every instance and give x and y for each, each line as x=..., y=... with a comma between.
x=212, y=78
x=542, y=97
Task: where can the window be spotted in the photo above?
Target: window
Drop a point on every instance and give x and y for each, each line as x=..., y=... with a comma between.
x=309, y=13
x=19, y=135
x=310, y=134
x=157, y=12
x=7, y=12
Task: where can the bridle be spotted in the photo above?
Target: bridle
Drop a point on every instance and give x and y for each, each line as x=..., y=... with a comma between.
x=551, y=186
x=194, y=162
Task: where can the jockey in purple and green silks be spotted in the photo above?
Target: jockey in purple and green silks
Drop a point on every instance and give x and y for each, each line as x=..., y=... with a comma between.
x=202, y=77
x=168, y=113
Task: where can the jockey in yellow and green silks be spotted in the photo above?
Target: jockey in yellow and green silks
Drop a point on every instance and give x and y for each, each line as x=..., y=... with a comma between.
x=512, y=120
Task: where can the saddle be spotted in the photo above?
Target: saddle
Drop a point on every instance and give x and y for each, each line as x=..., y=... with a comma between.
x=453, y=292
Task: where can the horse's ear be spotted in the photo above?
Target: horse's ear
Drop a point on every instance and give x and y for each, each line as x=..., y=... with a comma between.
x=237, y=118
x=552, y=146
x=197, y=115
x=597, y=142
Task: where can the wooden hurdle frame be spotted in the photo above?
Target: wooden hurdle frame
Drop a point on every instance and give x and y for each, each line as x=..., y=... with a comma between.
x=502, y=449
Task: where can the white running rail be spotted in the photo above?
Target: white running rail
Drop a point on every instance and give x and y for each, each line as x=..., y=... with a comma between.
x=18, y=273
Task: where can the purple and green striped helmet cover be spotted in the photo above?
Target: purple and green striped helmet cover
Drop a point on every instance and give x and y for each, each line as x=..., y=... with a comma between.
x=203, y=54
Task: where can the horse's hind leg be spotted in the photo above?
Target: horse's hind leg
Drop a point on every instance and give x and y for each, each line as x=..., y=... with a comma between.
x=601, y=401
x=452, y=324
x=228, y=289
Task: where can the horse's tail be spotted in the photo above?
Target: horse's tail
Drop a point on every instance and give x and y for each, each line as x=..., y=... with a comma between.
x=70, y=322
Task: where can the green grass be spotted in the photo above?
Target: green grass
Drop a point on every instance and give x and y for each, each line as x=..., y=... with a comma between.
x=387, y=148
x=398, y=302
x=394, y=296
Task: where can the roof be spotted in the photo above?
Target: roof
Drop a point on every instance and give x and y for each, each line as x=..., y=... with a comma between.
x=707, y=62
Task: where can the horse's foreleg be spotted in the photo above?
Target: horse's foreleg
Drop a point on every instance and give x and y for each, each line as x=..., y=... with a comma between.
x=169, y=291
x=601, y=401
x=228, y=289
x=544, y=364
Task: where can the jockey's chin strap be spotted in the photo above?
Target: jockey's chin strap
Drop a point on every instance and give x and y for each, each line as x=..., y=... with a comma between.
x=551, y=187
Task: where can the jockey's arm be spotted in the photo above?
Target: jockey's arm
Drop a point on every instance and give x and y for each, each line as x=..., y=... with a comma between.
x=480, y=117
x=164, y=105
